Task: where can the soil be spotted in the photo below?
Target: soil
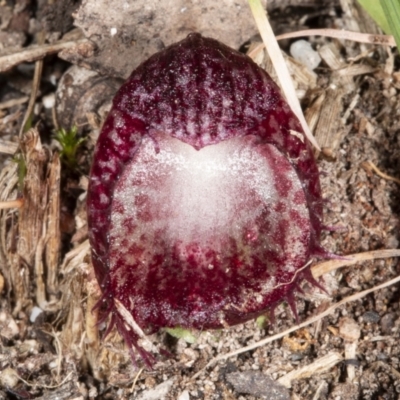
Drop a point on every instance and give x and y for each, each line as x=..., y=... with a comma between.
x=52, y=346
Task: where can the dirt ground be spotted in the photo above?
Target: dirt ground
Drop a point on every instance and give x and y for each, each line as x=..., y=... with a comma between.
x=50, y=344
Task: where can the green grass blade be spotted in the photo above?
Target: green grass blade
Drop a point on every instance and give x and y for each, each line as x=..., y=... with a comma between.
x=375, y=10
x=391, y=8
x=279, y=64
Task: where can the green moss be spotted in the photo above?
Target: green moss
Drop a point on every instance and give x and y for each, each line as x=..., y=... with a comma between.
x=70, y=143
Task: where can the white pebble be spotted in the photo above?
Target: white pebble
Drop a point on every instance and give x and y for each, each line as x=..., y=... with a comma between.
x=302, y=51
x=184, y=395
x=8, y=378
x=36, y=311
x=49, y=100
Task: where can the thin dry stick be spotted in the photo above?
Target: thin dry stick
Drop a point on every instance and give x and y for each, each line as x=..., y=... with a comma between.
x=58, y=346
x=280, y=66
x=45, y=386
x=136, y=379
x=330, y=265
x=18, y=203
x=128, y=319
x=32, y=99
x=369, y=165
x=34, y=53
x=13, y=102
x=310, y=321
x=35, y=89
x=385, y=40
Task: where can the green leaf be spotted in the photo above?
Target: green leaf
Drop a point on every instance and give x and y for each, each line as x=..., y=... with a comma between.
x=375, y=10
x=28, y=123
x=181, y=333
x=261, y=321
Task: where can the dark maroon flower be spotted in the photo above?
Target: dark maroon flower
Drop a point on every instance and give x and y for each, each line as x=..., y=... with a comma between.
x=204, y=201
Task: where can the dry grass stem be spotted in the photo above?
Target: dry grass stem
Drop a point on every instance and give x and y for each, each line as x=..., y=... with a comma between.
x=74, y=258
x=388, y=367
x=8, y=184
x=350, y=353
x=310, y=321
x=46, y=386
x=37, y=52
x=279, y=64
x=331, y=265
x=7, y=147
x=319, y=366
x=136, y=379
x=32, y=98
x=18, y=203
x=385, y=40
x=369, y=165
x=53, y=234
x=13, y=102
x=36, y=252
x=35, y=88
x=128, y=319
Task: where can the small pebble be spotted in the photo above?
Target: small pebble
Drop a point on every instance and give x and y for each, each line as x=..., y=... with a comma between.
x=387, y=323
x=296, y=357
x=184, y=395
x=371, y=317
x=392, y=242
x=257, y=384
x=382, y=357
x=8, y=378
x=302, y=51
x=158, y=393
x=349, y=329
x=36, y=311
x=49, y=100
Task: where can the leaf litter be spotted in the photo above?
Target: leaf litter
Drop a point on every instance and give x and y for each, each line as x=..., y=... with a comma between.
x=366, y=204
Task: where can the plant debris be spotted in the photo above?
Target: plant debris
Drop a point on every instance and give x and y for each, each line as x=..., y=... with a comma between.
x=51, y=343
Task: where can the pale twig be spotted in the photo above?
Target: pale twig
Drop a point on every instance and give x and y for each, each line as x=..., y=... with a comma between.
x=34, y=53
x=128, y=319
x=136, y=379
x=330, y=265
x=7, y=147
x=369, y=165
x=280, y=66
x=35, y=89
x=58, y=347
x=13, y=102
x=310, y=321
x=45, y=386
x=319, y=366
x=385, y=40
x=18, y=203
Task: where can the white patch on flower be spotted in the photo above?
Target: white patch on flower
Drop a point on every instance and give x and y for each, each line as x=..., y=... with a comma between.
x=191, y=128
x=226, y=102
x=110, y=164
x=105, y=177
x=104, y=199
x=117, y=141
x=187, y=202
